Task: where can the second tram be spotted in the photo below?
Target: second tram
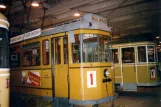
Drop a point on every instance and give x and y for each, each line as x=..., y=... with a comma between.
x=135, y=64
x=65, y=65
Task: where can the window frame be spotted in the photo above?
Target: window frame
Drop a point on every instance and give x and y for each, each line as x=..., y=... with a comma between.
x=55, y=50
x=121, y=57
x=67, y=50
x=138, y=54
x=22, y=54
x=103, y=48
x=155, y=56
x=48, y=53
x=80, y=49
x=118, y=55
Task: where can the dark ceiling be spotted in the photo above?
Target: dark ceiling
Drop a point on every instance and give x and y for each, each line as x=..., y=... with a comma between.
x=127, y=17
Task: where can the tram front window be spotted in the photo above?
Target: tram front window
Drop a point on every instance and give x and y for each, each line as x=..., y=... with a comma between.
x=151, y=55
x=96, y=48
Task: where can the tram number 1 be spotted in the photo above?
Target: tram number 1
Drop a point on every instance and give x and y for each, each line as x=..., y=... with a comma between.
x=91, y=79
x=152, y=73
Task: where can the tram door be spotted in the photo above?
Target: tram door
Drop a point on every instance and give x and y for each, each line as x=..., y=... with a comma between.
x=128, y=69
x=60, y=65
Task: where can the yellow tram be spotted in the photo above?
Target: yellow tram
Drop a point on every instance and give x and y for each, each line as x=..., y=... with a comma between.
x=135, y=64
x=69, y=64
x=4, y=62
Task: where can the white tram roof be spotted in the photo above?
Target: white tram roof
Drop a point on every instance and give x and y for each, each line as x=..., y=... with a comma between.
x=98, y=22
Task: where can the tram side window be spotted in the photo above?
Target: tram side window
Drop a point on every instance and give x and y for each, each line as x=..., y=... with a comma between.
x=115, y=55
x=45, y=52
x=15, y=56
x=141, y=54
x=65, y=48
x=31, y=54
x=76, y=49
x=128, y=55
x=151, y=55
x=57, y=51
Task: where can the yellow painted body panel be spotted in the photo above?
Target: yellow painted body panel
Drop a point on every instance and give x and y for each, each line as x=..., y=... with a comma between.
x=61, y=84
x=4, y=91
x=95, y=64
x=143, y=74
x=32, y=91
x=90, y=31
x=75, y=84
x=118, y=76
x=79, y=89
x=129, y=73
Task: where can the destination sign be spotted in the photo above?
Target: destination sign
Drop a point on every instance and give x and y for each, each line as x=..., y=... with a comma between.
x=25, y=36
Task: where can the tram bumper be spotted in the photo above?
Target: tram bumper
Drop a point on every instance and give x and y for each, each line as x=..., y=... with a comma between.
x=93, y=102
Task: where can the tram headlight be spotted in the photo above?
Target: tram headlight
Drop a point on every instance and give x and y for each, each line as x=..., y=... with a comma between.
x=106, y=73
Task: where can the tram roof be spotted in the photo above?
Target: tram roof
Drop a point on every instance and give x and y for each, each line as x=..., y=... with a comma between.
x=133, y=40
x=88, y=21
x=136, y=43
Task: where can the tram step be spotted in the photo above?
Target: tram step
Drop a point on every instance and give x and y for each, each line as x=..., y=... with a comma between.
x=130, y=87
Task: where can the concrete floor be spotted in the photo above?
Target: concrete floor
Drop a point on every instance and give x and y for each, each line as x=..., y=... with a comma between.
x=145, y=97
x=148, y=97
x=136, y=101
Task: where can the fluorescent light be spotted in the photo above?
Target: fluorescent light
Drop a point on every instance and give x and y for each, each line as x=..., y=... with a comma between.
x=157, y=37
x=77, y=14
x=2, y=6
x=35, y=3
